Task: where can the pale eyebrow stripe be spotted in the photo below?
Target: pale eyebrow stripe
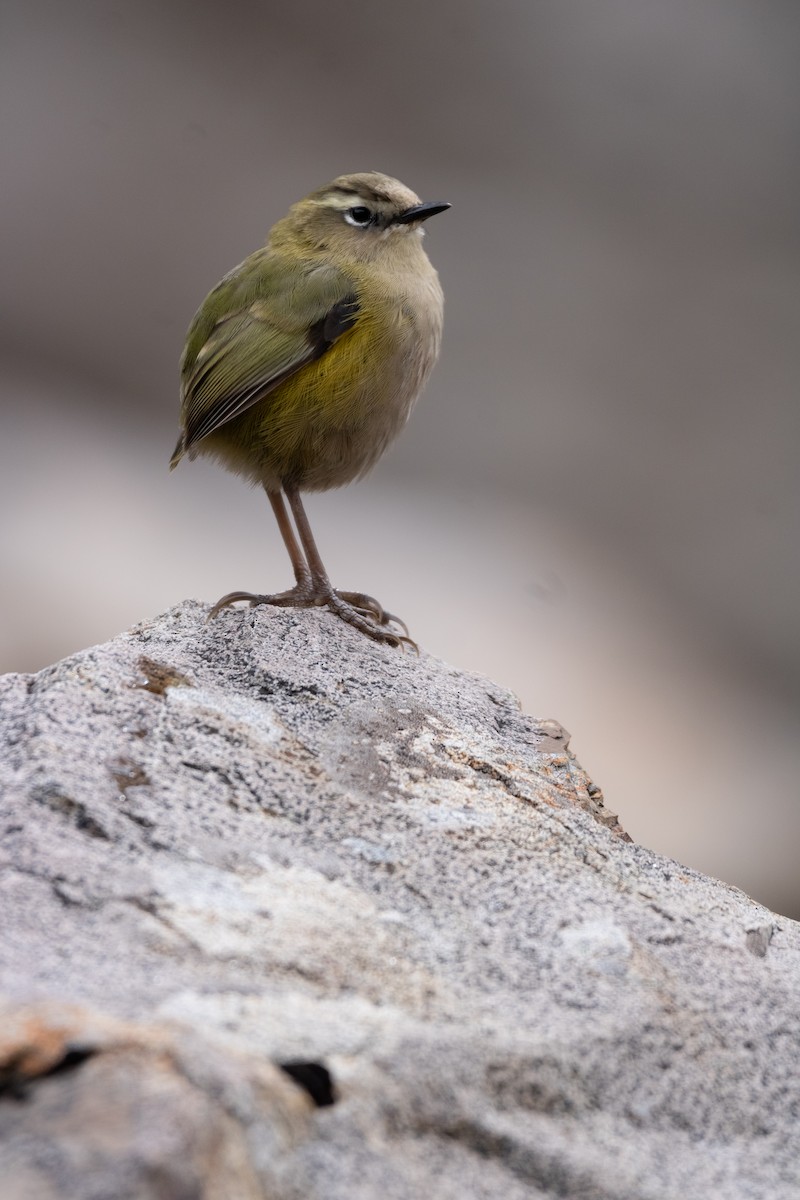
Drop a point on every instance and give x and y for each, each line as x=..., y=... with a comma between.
x=340, y=203
x=368, y=194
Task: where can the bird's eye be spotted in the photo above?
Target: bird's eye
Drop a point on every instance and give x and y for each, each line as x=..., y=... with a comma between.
x=358, y=216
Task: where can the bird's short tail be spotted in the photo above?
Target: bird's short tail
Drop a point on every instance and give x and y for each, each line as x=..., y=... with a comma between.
x=178, y=452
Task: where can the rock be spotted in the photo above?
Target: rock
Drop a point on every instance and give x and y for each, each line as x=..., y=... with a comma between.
x=288, y=914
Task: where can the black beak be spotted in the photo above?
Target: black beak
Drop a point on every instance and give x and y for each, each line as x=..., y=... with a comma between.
x=420, y=212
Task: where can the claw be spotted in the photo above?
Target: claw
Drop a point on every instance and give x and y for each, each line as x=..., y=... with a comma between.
x=366, y=603
x=233, y=598
x=391, y=618
x=291, y=599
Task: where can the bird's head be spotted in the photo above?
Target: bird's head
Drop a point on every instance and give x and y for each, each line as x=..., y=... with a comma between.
x=358, y=216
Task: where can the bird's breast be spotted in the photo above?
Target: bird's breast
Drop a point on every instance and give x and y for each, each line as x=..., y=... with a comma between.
x=332, y=420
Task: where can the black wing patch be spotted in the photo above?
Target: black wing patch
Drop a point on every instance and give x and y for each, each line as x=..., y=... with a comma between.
x=337, y=321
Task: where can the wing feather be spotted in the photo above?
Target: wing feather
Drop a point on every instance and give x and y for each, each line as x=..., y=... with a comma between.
x=265, y=321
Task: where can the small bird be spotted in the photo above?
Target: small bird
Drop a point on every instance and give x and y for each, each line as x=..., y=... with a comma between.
x=306, y=360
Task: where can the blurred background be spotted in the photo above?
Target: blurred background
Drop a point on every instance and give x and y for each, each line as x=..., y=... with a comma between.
x=596, y=502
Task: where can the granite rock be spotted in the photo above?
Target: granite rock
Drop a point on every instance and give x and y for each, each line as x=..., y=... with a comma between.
x=289, y=914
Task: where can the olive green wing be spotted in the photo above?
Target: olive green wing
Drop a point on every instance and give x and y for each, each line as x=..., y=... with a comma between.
x=265, y=321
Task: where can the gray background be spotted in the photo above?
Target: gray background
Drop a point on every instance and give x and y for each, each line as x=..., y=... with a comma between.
x=596, y=502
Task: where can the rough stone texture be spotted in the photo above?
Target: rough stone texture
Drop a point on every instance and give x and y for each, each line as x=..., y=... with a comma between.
x=236, y=845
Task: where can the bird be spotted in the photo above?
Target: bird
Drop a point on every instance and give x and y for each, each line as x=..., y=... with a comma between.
x=305, y=361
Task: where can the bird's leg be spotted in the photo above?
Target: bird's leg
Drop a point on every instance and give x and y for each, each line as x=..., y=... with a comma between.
x=302, y=594
x=356, y=608
x=302, y=574
x=312, y=586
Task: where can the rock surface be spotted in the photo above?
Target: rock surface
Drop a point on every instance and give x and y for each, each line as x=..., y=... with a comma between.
x=288, y=914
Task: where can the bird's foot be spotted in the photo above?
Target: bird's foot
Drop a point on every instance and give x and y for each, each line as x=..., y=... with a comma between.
x=358, y=609
x=364, y=612
x=296, y=597
x=371, y=607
